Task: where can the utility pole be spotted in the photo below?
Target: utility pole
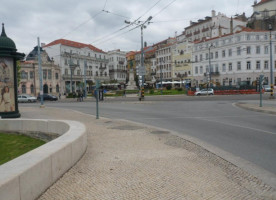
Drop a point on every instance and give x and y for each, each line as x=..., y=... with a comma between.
x=271, y=68
x=85, y=66
x=40, y=74
x=142, y=68
x=70, y=65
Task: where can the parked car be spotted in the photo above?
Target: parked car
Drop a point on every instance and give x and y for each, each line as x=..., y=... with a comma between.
x=24, y=98
x=210, y=91
x=49, y=97
x=267, y=88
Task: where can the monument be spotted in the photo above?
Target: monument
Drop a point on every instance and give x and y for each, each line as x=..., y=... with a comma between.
x=8, y=76
x=131, y=85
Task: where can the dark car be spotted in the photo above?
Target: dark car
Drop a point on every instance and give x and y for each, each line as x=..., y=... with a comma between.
x=49, y=97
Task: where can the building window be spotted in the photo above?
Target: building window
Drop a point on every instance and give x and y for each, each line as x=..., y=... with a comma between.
x=49, y=74
x=248, y=50
x=265, y=37
x=217, y=68
x=266, y=49
x=44, y=74
x=257, y=37
x=238, y=38
x=223, y=67
x=238, y=66
x=258, y=65
x=211, y=55
x=230, y=67
x=200, y=57
x=248, y=65
x=31, y=74
x=266, y=64
x=216, y=54
x=32, y=89
x=238, y=50
x=56, y=76
x=65, y=61
x=196, y=70
x=207, y=57
x=248, y=37
x=201, y=70
x=23, y=87
x=258, y=49
x=223, y=53
x=195, y=58
x=78, y=72
x=24, y=75
x=66, y=71
x=229, y=52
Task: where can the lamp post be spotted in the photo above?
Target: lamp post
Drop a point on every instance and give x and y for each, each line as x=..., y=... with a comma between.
x=161, y=77
x=210, y=68
x=271, y=68
x=142, y=68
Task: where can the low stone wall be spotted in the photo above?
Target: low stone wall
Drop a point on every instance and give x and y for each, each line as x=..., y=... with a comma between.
x=28, y=176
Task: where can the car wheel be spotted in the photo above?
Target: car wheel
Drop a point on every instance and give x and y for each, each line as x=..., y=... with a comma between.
x=198, y=94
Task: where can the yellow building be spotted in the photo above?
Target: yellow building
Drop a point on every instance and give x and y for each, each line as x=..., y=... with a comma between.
x=182, y=61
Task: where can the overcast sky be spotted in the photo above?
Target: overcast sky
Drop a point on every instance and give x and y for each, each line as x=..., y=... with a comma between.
x=84, y=21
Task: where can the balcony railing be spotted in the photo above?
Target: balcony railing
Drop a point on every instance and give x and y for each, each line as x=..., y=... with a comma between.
x=212, y=74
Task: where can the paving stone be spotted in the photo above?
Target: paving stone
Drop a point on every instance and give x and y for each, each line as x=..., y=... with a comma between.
x=130, y=164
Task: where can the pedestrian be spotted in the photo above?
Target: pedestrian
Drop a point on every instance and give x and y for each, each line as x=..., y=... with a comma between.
x=124, y=93
x=59, y=95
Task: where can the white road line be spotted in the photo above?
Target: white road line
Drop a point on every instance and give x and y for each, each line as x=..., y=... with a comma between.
x=245, y=127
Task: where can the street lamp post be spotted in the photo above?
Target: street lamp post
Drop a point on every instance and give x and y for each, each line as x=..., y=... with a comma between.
x=161, y=78
x=271, y=68
x=142, y=53
x=210, y=68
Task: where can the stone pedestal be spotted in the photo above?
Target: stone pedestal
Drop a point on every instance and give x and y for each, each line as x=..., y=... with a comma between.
x=131, y=85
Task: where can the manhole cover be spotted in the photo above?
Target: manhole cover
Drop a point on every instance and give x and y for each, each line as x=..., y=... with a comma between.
x=160, y=132
x=127, y=127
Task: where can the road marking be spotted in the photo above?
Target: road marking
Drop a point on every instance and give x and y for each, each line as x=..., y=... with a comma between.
x=240, y=126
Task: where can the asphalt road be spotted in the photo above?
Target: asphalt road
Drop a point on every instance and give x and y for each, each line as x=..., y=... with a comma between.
x=214, y=120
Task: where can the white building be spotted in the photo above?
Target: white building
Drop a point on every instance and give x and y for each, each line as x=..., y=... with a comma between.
x=242, y=56
x=72, y=57
x=117, y=65
x=216, y=25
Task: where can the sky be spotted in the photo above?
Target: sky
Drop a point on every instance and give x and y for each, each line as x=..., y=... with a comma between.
x=102, y=23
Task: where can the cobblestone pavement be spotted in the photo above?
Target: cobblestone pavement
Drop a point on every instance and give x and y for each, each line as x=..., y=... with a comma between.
x=128, y=161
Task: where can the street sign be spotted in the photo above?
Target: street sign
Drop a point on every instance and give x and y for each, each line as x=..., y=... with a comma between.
x=141, y=71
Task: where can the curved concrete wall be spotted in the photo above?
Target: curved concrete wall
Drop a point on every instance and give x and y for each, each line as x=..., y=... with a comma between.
x=28, y=176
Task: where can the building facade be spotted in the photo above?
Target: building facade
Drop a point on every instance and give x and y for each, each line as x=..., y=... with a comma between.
x=78, y=62
x=234, y=58
x=117, y=64
x=182, y=60
x=30, y=77
x=214, y=26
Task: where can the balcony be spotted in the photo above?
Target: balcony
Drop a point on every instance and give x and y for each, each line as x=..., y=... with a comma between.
x=205, y=29
x=196, y=32
x=117, y=70
x=212, y=74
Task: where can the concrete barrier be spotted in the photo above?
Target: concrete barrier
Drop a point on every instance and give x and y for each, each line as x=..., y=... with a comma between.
x=28, y=176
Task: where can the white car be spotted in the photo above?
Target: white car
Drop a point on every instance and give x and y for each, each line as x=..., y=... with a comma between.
x=267, y=88
x=24, y=98
x=210, y=91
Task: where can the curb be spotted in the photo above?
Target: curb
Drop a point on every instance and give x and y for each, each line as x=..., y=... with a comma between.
x=254, y=107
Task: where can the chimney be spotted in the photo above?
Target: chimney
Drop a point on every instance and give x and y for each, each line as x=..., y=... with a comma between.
x=145, y=44
x=231, y=25
x=213, y=13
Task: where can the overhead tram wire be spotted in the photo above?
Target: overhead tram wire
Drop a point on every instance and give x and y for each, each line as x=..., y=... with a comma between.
x=77, y=27
x=164, y=8
x=104, y=37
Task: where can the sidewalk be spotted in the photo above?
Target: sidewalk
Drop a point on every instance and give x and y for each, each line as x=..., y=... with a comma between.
x=129, y=161
x=268, y=106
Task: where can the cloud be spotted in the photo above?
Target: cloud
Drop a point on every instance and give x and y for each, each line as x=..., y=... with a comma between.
x=75, y=20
